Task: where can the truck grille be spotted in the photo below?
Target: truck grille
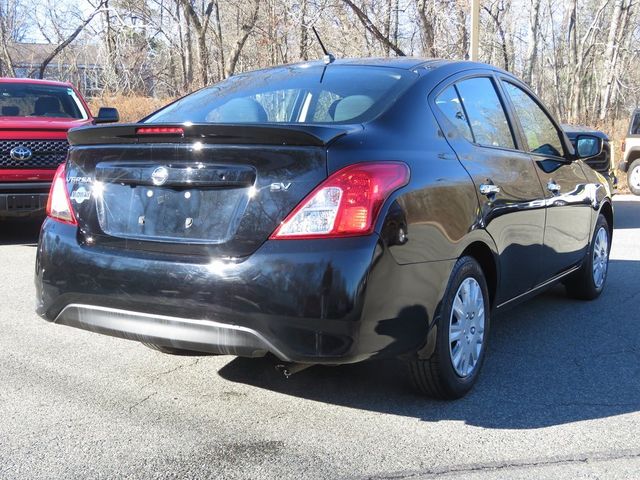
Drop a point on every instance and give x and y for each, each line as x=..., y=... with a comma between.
x=600, y=164
x=44, y=153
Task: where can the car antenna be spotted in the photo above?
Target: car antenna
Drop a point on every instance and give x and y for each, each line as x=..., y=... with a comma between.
x=328, y=57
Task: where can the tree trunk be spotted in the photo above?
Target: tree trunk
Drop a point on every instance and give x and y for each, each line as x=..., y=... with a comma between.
x=7, y=61
x=368, y=24
x=610, y=57
x=427, y=30
x=463, y=33
x=221, y=62
x=532, y=41
x=200, y=25
x=247, y=28
x=304, y=31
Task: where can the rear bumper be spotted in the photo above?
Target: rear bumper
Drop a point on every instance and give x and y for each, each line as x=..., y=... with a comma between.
x=623, y=166
x=320, y=301
x=23, y=199
x=198, y=335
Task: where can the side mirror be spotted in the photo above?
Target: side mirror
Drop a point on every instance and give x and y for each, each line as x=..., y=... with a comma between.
x=588, y=146
x=107, y=115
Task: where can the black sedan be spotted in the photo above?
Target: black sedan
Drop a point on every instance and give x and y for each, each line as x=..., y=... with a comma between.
x=326, y=214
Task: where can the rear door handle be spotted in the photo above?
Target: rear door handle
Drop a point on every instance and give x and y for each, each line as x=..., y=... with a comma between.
x=489, y=189
x=553, y=187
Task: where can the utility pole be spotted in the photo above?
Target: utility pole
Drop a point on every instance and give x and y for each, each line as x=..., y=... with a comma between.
x=475, y=31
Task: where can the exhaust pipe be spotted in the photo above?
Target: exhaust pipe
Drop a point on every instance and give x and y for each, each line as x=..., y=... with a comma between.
x=289, y=369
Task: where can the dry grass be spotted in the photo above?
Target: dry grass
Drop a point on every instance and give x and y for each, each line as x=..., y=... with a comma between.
x=131, y=108
x=622, y=182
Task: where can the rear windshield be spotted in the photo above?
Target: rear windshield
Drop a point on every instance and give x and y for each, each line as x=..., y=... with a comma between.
x=28, y=100
x=308, y=95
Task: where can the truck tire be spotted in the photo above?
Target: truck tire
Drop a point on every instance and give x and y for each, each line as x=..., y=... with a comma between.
x=633, y=177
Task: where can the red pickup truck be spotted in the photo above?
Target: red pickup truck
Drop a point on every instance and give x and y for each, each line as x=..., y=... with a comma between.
x=35, y=116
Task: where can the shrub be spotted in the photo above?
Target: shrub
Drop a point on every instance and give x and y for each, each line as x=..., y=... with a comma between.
x=131, y=108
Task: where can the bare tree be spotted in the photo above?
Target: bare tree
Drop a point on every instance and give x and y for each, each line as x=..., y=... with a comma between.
x=579, y=55
x=70, y=38
x=370, y=26
x=246, y=29
x=200, y=23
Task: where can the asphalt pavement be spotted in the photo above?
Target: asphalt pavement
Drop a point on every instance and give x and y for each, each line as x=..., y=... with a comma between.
x=559, y=397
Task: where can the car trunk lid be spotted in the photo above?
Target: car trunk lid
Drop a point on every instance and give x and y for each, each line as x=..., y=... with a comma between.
x=216, y=190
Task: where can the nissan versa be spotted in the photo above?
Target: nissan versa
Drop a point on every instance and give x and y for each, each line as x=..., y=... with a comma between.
x=326, y=214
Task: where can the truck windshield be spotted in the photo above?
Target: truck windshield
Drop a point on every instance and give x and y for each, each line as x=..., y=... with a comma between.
x=30, y=100
x=307, y=94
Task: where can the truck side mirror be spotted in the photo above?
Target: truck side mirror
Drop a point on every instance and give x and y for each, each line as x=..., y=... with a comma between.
x=107, y=115
x=588, y=146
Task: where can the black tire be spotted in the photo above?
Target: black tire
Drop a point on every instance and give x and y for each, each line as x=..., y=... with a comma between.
x=437, y=376
x=176, y=351
x=635, y=166
x=582, y=284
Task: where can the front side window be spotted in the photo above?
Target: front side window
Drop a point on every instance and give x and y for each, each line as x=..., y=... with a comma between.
x=33, y=100
x=541, y=134
x=449, y=103
x=308, y=94
x=485, y=113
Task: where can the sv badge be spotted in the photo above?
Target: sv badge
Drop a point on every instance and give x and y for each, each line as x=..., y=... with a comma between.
x=280, y=187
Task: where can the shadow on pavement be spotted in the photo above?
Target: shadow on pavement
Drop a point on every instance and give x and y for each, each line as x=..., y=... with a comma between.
x=627, y=214
x=552, y=361
x=20, y=231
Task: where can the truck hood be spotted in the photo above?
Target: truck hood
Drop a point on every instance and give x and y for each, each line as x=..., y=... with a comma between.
x=40, y=123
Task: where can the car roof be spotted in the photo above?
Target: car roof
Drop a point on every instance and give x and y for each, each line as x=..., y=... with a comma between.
x=34, y=81
x=406, y=63
x=403, y=63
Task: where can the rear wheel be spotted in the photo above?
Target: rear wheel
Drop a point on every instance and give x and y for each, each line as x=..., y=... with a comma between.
x=588, y=282
x=461, y=336
x=175, y=351
x=633, y=177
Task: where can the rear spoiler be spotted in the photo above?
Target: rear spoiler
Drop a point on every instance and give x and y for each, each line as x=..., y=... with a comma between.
x=243, y=134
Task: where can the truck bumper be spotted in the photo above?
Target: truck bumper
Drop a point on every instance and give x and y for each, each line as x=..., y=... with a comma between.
x=23, y=199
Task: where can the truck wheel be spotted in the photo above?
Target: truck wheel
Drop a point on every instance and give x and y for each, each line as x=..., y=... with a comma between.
x=588, y=282
x=176, y=351
x=461, y=336
x=633, y=177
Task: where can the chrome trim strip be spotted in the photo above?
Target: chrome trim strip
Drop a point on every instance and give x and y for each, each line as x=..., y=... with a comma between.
x=542, y=285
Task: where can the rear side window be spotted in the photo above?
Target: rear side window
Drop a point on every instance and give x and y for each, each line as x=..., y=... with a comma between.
x=449, y=103
x=485, y=113
x=540, y=132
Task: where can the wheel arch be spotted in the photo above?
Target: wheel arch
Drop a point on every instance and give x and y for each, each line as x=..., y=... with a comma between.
x=607, y=210
x=632, y=156
x=484, y=255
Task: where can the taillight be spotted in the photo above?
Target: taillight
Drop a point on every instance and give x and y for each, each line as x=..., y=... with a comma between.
x=59, y=204
x=345, y=204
